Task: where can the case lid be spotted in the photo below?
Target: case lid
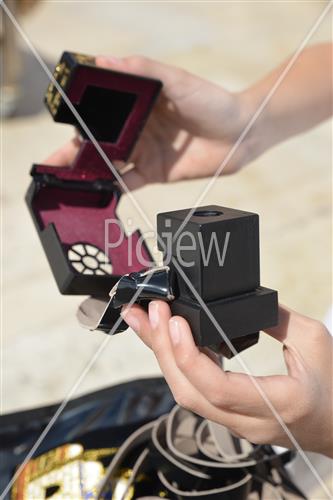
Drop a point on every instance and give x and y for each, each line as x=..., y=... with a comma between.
x=113, y=105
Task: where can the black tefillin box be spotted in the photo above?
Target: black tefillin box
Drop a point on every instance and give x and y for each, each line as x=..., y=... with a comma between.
x=211, y=277
x=211, y=256
x=70, y=205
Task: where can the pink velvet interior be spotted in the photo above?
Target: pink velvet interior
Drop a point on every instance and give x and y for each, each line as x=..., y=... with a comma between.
x=145, y=91
x=79, y=171
x=116, y=107
x=79, y=217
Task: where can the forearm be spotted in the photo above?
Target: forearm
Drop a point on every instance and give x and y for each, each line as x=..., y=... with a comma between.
x=301, y=99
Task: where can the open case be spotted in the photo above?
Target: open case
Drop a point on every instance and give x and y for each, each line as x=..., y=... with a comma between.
x=73, y=206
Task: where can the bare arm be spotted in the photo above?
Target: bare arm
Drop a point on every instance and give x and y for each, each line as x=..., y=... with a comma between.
x=195, y=123
x=302, y=99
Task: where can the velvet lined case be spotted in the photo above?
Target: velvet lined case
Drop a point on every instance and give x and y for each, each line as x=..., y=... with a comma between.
x=70, y=205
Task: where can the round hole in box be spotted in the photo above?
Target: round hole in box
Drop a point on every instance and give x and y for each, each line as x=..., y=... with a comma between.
x=207, y=213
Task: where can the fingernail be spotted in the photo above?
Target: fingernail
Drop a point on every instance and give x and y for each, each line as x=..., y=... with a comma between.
x=154, y=317
x=131, y=320
x=174, y=328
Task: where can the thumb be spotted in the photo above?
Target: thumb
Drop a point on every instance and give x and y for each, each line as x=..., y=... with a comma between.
x=293, y=361
x=290, y=332
x=289, y=324
x=65, y=155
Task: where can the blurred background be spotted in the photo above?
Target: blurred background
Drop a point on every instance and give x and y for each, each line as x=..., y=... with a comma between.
x=231, y=43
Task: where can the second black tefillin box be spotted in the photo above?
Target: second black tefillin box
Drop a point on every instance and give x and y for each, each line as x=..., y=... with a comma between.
x=214, y=258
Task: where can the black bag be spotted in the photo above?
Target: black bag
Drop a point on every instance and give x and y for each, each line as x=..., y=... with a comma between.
x=131, y=441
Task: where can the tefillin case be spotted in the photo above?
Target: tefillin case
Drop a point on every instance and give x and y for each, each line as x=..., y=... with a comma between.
x=69, y=205
x=228, y=282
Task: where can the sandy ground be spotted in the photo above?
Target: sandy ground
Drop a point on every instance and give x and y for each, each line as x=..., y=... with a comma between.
x=231, y=43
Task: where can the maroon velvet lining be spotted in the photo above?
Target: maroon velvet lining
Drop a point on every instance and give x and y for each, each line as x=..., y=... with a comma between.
x=82, y=171
x=145, y=89
x=79, y=215
x=79, y=218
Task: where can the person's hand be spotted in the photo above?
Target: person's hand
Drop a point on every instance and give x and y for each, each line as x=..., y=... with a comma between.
x=196, y=124
x=303, y=398
x=189, y=133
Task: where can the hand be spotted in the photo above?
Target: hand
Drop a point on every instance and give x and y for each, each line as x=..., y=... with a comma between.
x=191, y=129
x=303, y=398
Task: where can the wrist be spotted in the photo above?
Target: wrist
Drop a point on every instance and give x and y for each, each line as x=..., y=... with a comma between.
x=259, y=136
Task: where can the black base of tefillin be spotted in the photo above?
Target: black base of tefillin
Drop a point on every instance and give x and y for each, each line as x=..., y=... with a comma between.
x=211, y=277
x=213, y=256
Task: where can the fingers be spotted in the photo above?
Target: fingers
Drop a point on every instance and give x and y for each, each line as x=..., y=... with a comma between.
x=198, y=368
x=154, y=332
x=184, y=392
x=144, y=66
x=303, y=339
x=291, y=325
x=156, y=335
x=185, y=366
x=133, y=179
x=253, y=407
x=300, y=336
x=64, y=156
x=280, y=332
x=138, y=320
x=232, y=392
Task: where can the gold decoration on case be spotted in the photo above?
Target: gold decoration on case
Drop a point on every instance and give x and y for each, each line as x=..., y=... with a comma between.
x=53, y=96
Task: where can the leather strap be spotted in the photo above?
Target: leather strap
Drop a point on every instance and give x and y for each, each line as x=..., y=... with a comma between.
x=194, y=458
